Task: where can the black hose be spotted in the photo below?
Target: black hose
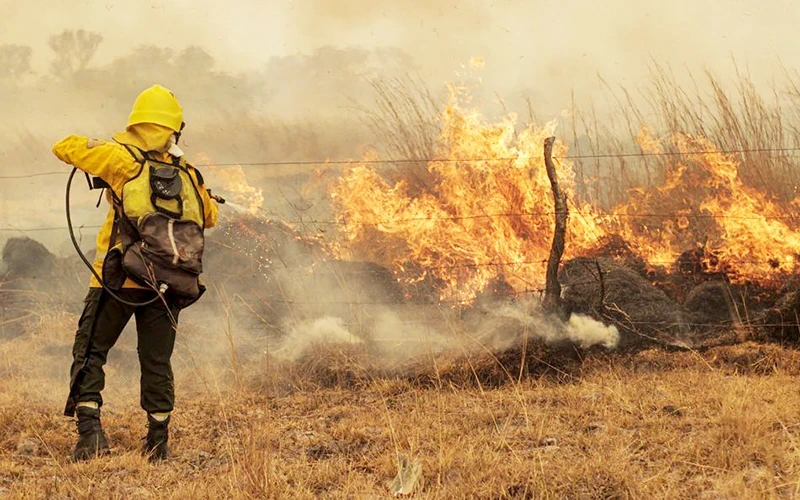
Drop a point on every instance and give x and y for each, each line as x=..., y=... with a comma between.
x=86, y=261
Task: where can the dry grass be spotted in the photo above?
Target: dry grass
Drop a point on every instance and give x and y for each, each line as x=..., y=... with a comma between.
x=652, y=424
x=404, y=120
x=735, y=115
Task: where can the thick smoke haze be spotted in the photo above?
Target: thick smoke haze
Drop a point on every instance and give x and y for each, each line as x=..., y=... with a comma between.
x=528, y=45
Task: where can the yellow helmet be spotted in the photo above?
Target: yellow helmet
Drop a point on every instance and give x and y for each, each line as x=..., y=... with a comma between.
x=157, y=105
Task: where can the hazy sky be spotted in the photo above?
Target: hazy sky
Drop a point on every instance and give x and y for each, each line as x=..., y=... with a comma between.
x=527, y=44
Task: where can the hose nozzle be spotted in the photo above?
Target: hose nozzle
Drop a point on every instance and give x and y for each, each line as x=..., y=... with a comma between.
x=218, y=199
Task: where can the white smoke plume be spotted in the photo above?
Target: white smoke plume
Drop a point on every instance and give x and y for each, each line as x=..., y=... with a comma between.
x=503, y=327
x=586, y=332
x=396, y=341
x=304, y=335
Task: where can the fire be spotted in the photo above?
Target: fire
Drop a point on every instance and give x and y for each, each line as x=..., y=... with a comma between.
x=704, y=203
x=488, y=216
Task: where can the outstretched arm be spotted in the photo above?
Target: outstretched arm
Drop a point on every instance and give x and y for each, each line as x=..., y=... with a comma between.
x=95, y=157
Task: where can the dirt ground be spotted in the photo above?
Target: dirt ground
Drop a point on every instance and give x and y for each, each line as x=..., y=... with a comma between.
x=724, y=423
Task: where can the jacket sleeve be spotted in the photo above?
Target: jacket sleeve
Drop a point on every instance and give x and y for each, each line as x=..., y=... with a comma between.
x=211, y=214
x=98, y=158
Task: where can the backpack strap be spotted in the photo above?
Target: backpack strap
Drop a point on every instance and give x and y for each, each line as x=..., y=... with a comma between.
x=112, y=240
x=137, y=154
x=126, y=229
x=200, y=180
x=189, y=168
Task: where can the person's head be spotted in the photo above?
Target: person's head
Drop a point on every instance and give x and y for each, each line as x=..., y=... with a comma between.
x=157, y=105
x=156, y=121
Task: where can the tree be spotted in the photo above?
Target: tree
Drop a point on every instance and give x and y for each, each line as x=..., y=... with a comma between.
x=15, y=61
x=73, y=51
x=195, y=59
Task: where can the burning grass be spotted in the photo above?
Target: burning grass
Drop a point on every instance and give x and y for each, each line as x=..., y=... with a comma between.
x=488, y=213
x=496, y=414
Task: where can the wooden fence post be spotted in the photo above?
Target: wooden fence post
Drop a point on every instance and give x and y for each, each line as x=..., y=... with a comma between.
x=552, y=293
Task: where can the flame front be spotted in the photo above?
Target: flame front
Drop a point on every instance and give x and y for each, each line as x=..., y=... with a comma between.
x=704, y=204
x=487, y=217
x=488, y=214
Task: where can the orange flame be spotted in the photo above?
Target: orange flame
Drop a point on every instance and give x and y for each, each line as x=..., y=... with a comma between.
x=708, y=205
x=488, y=215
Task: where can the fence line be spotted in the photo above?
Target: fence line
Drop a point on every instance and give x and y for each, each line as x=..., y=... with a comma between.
x=480, y=216
x=430, y=302
x=613, y=215
x=511, y=264
x=449, y=160
x=622, y=322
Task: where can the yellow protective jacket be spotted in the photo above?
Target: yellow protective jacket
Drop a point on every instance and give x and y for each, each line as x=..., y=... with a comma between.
x=111, y=162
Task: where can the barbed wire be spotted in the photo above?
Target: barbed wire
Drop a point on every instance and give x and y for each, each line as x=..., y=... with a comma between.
x=666, y=325
x=39, y=229
x=450, y=160
x=771, y=261
x=29, y=176
x=434, y=303
x=600, y=215
x=481, y=216
x=500, y=159
x=594, y=280
x=679, y=153
x=400, y=276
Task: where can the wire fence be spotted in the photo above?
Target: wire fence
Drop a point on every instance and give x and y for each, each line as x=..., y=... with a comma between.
x=600, y=214
x=437, y=305
x=603, y=216
x=454, y=218
x=401, y=161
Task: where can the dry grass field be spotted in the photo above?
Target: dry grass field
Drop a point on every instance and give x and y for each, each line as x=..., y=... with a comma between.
x=533, y=422
x=724, y=423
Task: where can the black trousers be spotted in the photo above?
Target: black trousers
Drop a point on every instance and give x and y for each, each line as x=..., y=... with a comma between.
x=155, y=327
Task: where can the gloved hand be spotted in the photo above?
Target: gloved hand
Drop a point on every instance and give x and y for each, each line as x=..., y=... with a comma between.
x=218, y=199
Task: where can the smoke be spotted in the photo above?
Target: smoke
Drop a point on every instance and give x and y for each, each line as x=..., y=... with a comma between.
x=538, y=48
x=393, y=340
x=275, y=82
x=587, y=332
x=301, y=337
x=504, y=326
x=280, y=82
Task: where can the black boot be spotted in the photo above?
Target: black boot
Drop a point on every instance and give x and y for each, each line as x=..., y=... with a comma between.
x=157, y=436
x=91, y=440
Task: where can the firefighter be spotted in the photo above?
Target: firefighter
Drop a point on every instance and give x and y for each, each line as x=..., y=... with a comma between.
x=159, y=209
